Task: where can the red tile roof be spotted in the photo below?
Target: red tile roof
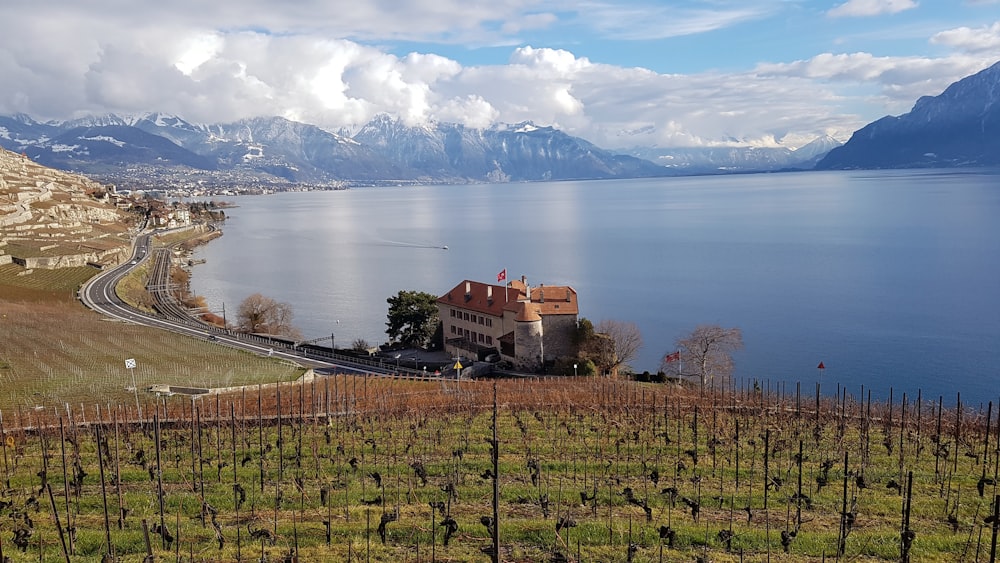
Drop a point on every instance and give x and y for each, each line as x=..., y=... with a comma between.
x=477, y=298
x=545, y=300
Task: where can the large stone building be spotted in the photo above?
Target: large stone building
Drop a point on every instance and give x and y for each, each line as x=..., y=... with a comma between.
x=527, y=326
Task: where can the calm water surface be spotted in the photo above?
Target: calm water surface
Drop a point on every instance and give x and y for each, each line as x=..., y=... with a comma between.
x=890, y=278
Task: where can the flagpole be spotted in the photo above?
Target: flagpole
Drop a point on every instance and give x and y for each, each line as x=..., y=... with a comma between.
x=502, y=277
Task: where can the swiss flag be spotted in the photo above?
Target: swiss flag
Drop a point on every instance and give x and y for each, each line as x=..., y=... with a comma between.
x=502, y=275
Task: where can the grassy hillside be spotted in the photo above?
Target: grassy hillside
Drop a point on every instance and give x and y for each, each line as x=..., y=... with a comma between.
x=54, y=351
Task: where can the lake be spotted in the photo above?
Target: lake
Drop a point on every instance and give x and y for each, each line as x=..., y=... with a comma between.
x=890, y=278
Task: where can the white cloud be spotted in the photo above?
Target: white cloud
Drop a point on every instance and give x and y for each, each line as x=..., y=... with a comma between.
x=471, y=110
x=197, y=50
x=859, y=8
x=311, y=64
x=646, y=20
x=339, y=83
x=892, y=83
x=983, y=39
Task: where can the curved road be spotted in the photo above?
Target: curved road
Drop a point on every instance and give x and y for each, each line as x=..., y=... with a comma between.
x=99, y=294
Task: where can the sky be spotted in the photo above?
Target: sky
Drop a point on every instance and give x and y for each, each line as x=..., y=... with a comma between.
x=622, y=73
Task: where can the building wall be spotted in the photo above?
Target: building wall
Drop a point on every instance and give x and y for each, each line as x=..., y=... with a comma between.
x=528, y=345
x=484, y=330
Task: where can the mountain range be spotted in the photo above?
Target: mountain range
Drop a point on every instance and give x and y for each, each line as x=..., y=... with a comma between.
x=960, y=127
x=384, y=150
x=720, y=160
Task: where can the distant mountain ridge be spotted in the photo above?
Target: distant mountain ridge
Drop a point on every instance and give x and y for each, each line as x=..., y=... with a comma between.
x=718, y=160
x=384, y=150
x=959, y=127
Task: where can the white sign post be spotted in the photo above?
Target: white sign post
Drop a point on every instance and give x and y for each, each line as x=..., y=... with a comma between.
x=130, y=365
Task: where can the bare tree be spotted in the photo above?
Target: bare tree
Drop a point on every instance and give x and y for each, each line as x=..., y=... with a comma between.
x=705, y=354
x=262, y=315
x=616, y=344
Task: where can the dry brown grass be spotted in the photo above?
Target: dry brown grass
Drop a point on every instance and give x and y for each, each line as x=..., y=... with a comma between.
x=18, y=284
x=55, y=353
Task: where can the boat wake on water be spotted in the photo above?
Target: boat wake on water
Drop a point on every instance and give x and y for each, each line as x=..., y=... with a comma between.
x=400, y=244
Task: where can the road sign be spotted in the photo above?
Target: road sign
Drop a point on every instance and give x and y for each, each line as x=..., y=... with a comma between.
x=130, y=363
x=458, y=365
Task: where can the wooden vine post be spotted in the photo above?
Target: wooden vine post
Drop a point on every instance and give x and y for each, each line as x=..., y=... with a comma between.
x=495, y=452
x=110, y=553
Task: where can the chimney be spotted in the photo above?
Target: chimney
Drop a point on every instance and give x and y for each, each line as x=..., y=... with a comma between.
x=569, y=295
x=541, y=293
x=468, y=291
x=489, y=294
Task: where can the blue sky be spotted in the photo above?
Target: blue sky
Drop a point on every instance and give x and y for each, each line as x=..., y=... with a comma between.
x=623, y=73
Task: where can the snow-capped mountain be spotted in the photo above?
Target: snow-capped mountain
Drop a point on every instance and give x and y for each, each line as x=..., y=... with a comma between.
x=721, y=160
x=815, y=150
x=383, y=150
x=98, y=149
x=522, y=152
x=19, y=130
x=959, y=127
x=294, y=151
x=274, y=149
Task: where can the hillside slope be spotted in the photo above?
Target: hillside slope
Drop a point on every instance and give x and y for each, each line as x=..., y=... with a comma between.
x=959, y=127
x=53, y=219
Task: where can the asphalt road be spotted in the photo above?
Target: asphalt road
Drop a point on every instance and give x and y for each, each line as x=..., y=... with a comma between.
x=99, y=294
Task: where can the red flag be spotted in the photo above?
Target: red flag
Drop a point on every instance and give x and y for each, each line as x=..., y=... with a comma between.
x=675, y=357
x=502, y=275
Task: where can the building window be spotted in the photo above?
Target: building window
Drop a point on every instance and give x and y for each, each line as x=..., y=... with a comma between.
x=466, y=333
x=489, y=322
x=489, y=341
x=482, y=320
x=465, y=316
x=453, y=329
x=452, y=311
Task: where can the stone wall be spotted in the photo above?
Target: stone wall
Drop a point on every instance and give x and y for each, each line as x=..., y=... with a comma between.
x=112, y=256
x=558, y=331
x=528, y=345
